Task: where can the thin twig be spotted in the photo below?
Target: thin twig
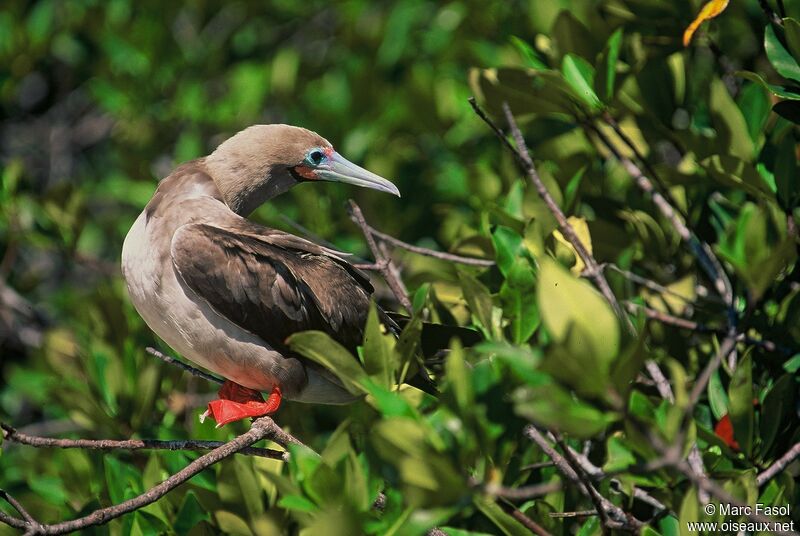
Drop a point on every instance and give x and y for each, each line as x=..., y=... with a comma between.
x=618, y=518
x=11, y=434
x=649, y=283
x=698, y=327
x=705, y=256
x=592, y=267
x=382, y=262
x=450, y=257
x=528, y=523
x=727, y=346
x=33, y=525
x=186, y=368
x=262, y=428
x=779, y=465
x=771, y=15
x=580, y=513
x=594, y=496
x=281, y=436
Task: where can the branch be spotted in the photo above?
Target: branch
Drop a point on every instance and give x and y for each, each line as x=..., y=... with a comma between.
x=383, y=264
x=11, y=434
x=263, y=427
x=771, y=15
x=281, y=437
x=32, y=524
x=183, y=366
x=779, y=465
x=528, y=523
x=705, y=256
x=595, y=497
x=617, y=517
x=593, y=269
x=472, y=261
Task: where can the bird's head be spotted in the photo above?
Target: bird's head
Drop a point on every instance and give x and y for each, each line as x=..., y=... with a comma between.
x=263, y=161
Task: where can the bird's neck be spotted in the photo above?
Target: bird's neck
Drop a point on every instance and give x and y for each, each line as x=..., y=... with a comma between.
x=246, y=184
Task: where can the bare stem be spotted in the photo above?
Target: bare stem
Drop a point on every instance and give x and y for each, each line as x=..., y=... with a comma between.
x=383, y=263
x=263, y=427
x=11, y=434
x=183, y=366
x=779, y=465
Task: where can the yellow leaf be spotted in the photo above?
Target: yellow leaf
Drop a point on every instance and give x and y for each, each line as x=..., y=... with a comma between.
x=709, y=11
x=582, y=230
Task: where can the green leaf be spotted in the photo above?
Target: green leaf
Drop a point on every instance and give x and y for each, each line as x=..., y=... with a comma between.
x=478, y=299
x=619, y=456
x=787, y=180
x=734, y=172
x=566, y=301
x=779, y=57
x=190, y=514
x=297, y=502
x=776, y=410
x=732, y=133
x=580, y=75
x=249, y=486
x=322, y=349
x=509, y=247
x=553, y=407
x=119, y=478
x=528, y=53
x=607, y=66
x=458, y=379
x=785, y=92
x=792, y=29
x=518, y=297
x=230, y=523
x=689, y=511
x=717, y=397
x=380, y=360
x=792, y=364
x=527, y=91
x=507, y=524
x=754, y=103
x=740, y=393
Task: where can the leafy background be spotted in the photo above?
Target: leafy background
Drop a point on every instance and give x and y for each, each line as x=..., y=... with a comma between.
x=101, y=99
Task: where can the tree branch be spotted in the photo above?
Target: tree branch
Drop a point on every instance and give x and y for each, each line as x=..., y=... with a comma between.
x=593, y=269
x=779, y=465
x=617, y=517
x=450, y=257
x=11, y=434
x=383, y=264
x=262, y=428
x=183, y=366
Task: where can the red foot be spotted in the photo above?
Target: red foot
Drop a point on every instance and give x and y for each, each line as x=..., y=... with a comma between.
x=237, y=402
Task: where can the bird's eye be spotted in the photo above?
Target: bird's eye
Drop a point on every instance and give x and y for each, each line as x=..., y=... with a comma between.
x=315, y=157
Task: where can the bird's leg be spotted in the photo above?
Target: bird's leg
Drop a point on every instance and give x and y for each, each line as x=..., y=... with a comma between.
x=237, y=402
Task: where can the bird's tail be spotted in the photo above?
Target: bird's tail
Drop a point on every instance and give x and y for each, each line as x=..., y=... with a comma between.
x=435, y=340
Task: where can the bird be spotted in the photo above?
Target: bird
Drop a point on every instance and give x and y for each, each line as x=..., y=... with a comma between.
x=225, y=292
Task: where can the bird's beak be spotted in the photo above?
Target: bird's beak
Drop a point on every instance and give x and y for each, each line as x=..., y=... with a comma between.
x=339, y=169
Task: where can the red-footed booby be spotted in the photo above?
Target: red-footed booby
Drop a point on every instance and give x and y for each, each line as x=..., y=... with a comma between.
x=225, y=292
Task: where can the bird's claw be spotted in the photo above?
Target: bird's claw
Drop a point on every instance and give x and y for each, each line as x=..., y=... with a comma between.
x=236, y=402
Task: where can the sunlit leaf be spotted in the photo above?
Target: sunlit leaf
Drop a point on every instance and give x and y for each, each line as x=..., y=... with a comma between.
x=780, y=58
x=708, y=11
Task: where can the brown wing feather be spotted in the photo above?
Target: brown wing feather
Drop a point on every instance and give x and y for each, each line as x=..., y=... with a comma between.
x=271, y=283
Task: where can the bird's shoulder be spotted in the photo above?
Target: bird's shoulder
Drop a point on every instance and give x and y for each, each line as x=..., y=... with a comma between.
x=189, y=180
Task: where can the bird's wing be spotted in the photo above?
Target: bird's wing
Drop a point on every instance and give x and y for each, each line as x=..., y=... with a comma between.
x=271, y=283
